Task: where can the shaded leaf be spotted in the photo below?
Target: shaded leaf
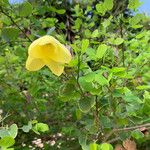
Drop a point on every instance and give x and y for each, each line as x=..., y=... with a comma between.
x=10, y=33
x=25, y=9
x=86, y=103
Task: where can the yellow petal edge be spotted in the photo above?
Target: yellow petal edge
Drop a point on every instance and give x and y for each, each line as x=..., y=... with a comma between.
x=50, y=52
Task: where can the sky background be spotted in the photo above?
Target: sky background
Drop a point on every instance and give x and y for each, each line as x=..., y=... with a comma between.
x=145, y=7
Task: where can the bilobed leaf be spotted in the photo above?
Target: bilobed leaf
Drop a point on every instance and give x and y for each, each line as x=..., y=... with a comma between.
x=91, y=53
x=101, y=51
x=93, y=146
x=25, y=9
x=135, y=20
x=95, y=33
x=41, y=127
x=82, y=141
x=89, y=77
x=85, y=44
x=134, y=4
x=101, y=8
x=86, y=86
x=86, y=103
x=10, y=33
x=108, y=4
x=3, y=133
x=106, y=146
x=118, y=69
x=27, y=128
x=107, y=22
x=99, y=78
x=118, y=41
x=6, y=142
x=61, y=11
x=143, y=87
x=13, y=130
x=137, y=134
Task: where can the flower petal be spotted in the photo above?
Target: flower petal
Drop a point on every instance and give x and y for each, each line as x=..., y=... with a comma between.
x=34, y=64
x=61, y=54
x=49, y=47
x=55, y=67
x=44, y=51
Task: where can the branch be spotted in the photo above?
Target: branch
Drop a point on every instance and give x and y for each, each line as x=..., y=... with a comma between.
x=125, y=129
x=15, y=23
x=96, y=111
x=78, y=75
x=122, y=45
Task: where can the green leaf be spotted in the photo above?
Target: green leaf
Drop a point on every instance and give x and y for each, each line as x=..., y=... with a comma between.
x=93, y=146
x=106, y=122
x=25, y=9
x=60, y=11
x=67, y=92
x=86, y=103
x=90, y=77
x=143, y=87
x=49, y=32
x=118, y=41
x=87, y=86
x=135, y=20
x=101, y=8
x=91, y=53
x=27, y=128
x=106, y=146
x=137, y=134
x=99, y=78
x=95, y=33
x=85, y=44
x=82, y=141
x=108, y=4
x=117, y=69
x=40, y=127
x=134, y=4
x=101, y=51
x=7, y=141
x=3, y=133
x=78, y=114
x=13, y=130
x=9, y=33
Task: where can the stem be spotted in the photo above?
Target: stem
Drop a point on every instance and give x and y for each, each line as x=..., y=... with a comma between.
x=125, y=129
x=96, y=111
x=110, y=101
x=15, y=23
x=122, y=45
x=78, y=74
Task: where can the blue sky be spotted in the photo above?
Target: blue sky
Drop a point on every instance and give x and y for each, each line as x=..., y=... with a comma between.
x=145, y=7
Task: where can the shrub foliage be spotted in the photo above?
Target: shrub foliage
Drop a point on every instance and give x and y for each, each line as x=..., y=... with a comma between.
x=103, y=97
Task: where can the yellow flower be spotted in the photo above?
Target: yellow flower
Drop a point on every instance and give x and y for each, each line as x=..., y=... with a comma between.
x=50, y=52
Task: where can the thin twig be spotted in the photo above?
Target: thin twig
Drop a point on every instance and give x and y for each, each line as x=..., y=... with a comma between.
x=122, y=45
x=96, y=111
x=78, y=74
x=6, y=14
x=125, y=129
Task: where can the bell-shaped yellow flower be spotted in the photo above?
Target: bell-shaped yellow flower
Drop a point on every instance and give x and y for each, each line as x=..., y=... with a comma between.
x=50, y=52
